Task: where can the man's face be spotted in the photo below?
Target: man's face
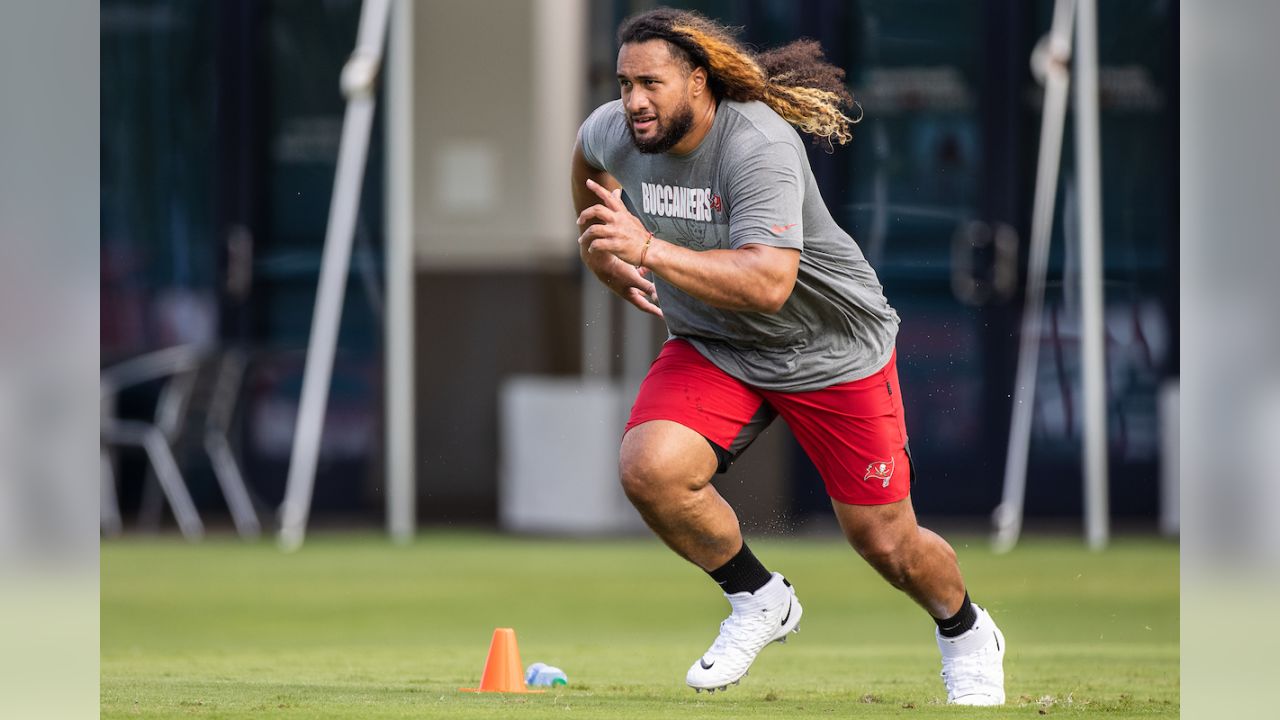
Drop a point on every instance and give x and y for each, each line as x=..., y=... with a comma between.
x=655, y=94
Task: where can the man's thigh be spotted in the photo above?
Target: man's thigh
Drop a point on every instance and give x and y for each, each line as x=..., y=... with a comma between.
x=684, y=387
x=855, y=434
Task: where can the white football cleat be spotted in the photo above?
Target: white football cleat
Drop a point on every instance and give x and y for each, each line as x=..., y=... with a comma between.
x=767, y=615
x=973, y=663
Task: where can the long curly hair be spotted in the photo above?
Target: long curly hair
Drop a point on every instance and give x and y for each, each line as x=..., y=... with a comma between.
x=795, y=79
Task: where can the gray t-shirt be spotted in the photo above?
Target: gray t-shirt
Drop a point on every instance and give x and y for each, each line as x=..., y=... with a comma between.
x=747, y=182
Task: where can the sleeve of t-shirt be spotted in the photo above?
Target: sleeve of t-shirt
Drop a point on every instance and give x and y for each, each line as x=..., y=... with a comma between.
x=766, y=198
x=599, y=133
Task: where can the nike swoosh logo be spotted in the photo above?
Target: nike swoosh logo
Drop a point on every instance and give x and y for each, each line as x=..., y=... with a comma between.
x=788, y=617
x=779, y=229
x=706, y=665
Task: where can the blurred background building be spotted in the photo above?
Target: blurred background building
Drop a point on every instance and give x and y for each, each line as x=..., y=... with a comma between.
x=220, y=127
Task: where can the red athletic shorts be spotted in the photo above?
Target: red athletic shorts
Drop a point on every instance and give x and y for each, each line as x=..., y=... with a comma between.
x=855, y=432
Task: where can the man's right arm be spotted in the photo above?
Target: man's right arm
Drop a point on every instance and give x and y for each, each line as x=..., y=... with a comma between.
x=625, y=280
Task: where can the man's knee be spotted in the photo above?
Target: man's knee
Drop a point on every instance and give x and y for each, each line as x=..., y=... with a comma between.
x=891, y=556
x=648, y=481
x=654, y=472
x=642, y=480
x=878, y=550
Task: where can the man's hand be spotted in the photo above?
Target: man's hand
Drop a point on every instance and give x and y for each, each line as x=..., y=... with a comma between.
x=611, y=228
x=630, y=284
x=623, y=278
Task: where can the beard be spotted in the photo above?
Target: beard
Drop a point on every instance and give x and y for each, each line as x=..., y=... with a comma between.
x=667, y=134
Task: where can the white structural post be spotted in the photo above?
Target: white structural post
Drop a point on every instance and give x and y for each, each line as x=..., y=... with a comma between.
x=1049, y=63
x=401, y=465
x=1093, y=328
x=358, y=78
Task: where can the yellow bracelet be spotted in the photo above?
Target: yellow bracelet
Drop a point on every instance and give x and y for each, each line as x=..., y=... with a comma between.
x=644, y=251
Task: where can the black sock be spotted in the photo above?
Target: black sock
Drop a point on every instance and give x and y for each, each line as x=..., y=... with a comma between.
x=961, y=622
x=743, y=573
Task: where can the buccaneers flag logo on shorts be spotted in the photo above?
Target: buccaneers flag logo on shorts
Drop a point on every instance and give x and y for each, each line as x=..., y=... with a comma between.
x=880, y=471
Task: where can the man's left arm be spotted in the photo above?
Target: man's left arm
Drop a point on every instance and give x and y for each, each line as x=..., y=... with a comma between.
x=757, y=275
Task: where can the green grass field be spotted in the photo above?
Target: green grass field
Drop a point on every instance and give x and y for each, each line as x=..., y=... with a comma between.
x=353, y=627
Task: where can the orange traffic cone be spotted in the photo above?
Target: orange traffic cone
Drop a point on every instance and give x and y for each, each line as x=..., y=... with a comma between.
x=502, y=670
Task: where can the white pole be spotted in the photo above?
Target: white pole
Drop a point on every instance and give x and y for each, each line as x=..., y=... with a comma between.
x=358, y=77
x=399, y=392
x=1049, y=62
x=1167, y=411
x=1093, y=328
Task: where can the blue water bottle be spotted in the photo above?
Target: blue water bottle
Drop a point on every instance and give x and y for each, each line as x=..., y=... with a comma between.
x=544, y=675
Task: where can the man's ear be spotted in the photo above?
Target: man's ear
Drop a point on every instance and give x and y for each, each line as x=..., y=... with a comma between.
x=698, y=81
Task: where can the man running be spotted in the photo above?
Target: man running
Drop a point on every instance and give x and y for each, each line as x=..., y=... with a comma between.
x=695, y=188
